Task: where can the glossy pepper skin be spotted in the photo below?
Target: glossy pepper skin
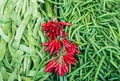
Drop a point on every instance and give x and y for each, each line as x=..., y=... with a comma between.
x=53, y=46
x=71, y=48
x=69, y=59
x=60, y=47
x=59, y=65
x=54, y=29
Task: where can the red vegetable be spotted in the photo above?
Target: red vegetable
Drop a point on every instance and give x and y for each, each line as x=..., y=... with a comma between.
x=59, y=45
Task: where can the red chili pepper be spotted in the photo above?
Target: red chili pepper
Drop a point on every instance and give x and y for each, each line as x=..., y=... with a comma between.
x=65, y=42
x=55, y=31
x=51, y=37
x=45, y=44
x=53, y=41
x=52, y=49
x=48, y=48
x=64, y=23
x=60, y=70
x=69, y=59
x=54, y=36
x=65, y=68
x=50, y=66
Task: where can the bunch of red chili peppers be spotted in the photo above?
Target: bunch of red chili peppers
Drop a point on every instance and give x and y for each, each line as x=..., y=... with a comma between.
x=60, y=47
